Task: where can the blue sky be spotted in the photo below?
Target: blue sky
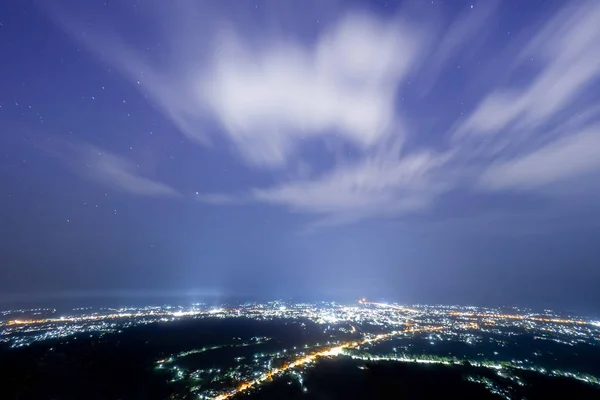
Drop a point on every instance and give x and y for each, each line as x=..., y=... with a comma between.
x=421, y=151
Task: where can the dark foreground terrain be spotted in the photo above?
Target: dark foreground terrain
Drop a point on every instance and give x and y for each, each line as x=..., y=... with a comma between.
x=191, y=359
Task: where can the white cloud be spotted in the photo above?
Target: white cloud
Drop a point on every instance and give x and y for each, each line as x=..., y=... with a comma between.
x=465, y=35
x=568, y=44
x=381, y=184
x=546, y=131
x=269, y=92
x=111, y=170
x=269, y=99
x=166, y=81
x=268, y=95
x=565, y=158
x=216, y=198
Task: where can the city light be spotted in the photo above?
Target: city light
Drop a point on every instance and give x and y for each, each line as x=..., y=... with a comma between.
x=354, y=330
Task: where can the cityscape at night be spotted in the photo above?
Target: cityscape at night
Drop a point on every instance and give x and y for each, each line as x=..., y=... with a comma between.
x=299, y=199
x=497, y=346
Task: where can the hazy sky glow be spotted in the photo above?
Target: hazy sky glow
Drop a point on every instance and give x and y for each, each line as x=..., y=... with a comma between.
x=418, y=151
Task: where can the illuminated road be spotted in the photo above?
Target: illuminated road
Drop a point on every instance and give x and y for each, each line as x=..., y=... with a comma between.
x=517, y=317
x=306, y=359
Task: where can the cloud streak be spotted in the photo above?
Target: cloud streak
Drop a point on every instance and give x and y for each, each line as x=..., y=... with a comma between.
x=120, y=173
x=568, y=45
x=565, y=158
x=276, y=96
x=217, y=198
x=108, y=169
x=382, y=183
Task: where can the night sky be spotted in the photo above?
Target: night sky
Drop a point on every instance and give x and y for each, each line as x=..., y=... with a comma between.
x=425, y=151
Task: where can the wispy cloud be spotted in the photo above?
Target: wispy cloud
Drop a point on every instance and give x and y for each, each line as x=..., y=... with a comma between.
x=466, y=34
x=278, y=94
x=108, y=169
x=167, y=83
x=565, y=158
x=383, y=183
x=121, y=174
x=270, y=93
x=217, y=198
x=547, y=130
x=567, y=47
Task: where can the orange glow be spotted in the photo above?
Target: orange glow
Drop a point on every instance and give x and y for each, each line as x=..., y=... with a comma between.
x=331, y=351
x=519, y=317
